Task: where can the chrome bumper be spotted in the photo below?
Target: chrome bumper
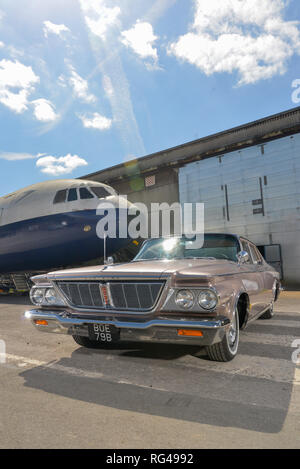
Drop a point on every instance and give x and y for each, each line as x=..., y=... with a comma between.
x=154, y=330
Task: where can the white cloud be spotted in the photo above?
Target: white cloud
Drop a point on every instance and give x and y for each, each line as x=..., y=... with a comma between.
x=99, y=18
x=80, y=86
x=10, y=156
x=1, y=44
x=96, y=121
x=52, y=28
x=44, y=110
x=108, y=86
x=140, y=39
x=16, y=84
x=57, y=166
x=115, y=82
x=249, y=36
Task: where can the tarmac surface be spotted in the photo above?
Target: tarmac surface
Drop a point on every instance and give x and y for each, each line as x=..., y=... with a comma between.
x=56, y=394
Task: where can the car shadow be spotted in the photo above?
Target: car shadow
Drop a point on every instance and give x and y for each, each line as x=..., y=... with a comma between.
x=21, y=299
x=168, y=381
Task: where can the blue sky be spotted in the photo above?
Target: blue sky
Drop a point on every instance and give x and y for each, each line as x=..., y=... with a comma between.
x=87, y=84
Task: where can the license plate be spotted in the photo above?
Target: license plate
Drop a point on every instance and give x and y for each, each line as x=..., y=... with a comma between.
x=103, y=333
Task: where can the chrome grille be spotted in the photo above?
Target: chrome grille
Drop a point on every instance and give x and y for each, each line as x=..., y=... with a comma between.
x=139, y=296
x=82, y=294
x=135, y=295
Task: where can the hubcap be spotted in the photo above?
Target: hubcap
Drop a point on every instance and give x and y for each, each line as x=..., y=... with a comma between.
x=233, y=332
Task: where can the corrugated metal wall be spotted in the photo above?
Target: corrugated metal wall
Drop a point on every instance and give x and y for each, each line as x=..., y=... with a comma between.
x=253, y=192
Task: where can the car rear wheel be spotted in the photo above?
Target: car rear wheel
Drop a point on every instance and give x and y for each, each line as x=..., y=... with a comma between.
x=226, y=350
x=88, y=343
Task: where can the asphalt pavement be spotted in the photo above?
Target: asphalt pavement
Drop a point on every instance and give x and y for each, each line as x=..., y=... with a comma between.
x=56, y=394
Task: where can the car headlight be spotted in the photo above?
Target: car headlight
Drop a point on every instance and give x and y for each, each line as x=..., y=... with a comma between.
x=37, y=295
x=45, y=296
x=51, y=297
x=207, y=299
x=185, y=299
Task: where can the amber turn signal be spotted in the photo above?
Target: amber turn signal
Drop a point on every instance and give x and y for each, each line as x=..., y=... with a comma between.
x=189, y=332
x=41, y=322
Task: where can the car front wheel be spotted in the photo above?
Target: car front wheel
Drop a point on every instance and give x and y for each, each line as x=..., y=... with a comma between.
x=226, y=350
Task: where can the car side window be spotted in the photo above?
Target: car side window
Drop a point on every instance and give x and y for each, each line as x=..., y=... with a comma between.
x=246, y=248
x=255, y=257
x=60, y=197
x=85, y=193
x=260, y=258
x=72, y=195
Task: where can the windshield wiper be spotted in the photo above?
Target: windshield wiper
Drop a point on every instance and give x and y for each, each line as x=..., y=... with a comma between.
x=212, y=258
x=152, y=259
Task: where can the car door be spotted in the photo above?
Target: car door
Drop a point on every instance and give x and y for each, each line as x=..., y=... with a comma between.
x=253, y=281
x=267, y=274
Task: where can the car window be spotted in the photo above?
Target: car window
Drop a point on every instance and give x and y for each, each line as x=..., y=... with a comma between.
x=255, y=257
x=85, y=193
x=60, y=197
x=216, y=246
x=246, y=248
x=260, y=257
x=72, y=195
x=100, y=192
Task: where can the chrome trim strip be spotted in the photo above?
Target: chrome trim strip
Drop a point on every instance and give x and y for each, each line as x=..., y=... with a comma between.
x=66, y=322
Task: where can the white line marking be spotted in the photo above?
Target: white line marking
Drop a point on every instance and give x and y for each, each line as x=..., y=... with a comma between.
x=276, y=370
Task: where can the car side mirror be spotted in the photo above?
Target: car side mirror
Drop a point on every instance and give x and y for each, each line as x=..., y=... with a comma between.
x=243, y=257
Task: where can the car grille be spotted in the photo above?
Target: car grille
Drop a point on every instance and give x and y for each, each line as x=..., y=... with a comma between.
x=139, y=296
x=82, y=294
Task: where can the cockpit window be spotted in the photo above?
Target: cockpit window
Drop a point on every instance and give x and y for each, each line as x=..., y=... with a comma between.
x=60, y=197
x=72, y=195
x=100, y=192
x=85, y=193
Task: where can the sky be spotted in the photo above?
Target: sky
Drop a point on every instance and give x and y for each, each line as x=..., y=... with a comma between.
x=88, y=84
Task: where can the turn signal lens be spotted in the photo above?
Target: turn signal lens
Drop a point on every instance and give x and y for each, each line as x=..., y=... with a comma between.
x=189, y=332
x=41, y=322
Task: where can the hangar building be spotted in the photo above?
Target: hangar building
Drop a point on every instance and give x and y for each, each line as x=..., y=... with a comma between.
x=248, y=178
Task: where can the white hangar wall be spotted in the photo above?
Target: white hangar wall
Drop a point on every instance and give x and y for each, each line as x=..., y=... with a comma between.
x=254, y=192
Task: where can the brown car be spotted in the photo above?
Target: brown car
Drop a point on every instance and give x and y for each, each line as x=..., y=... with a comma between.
x=173, y=291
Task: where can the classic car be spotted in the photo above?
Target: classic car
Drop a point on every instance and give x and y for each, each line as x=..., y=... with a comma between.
x=173, y=291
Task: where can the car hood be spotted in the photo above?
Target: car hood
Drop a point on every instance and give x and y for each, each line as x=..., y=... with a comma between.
x=152, y=269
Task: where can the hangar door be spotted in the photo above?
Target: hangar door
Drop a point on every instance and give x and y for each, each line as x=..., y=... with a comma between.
x=232, y=197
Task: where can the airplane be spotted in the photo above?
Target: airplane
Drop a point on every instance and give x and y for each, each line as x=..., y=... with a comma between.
x=52, y=224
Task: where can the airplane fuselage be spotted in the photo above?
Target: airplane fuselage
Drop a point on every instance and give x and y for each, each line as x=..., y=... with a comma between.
x=37, y=234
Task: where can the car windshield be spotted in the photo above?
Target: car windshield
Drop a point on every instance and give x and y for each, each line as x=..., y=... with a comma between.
x=217, y=246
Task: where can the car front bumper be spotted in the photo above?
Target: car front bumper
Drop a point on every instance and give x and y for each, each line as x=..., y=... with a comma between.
x=154, y=330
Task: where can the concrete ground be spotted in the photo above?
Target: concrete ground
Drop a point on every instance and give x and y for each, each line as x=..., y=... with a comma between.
x=55, y=394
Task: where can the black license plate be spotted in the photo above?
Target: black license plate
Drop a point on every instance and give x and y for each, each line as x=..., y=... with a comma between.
x=103, y=333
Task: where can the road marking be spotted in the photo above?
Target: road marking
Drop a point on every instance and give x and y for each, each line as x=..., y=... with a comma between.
x=295, y=324
x=23, y=362
x=276, y=370
x=267, y=339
